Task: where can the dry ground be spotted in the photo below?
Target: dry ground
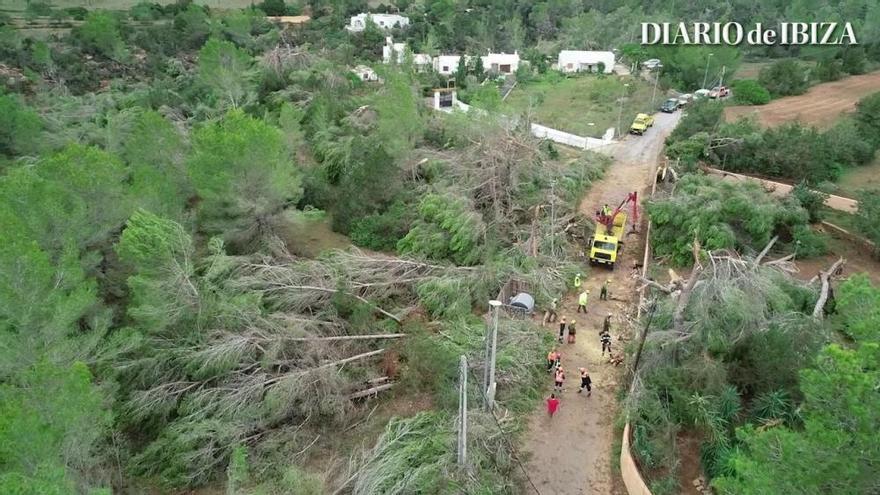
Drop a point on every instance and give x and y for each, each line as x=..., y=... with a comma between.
x=571, y=454
x=819, y=107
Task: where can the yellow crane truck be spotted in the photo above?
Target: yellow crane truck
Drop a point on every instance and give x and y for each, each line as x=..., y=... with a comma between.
x=606, y=243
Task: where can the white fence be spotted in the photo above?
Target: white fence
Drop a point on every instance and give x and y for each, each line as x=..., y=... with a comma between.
x=538, y=130
x=557, y=136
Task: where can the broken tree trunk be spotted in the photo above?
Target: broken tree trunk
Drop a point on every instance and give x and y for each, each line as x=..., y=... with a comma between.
x=678, y=315
x=825, y=278
x=766, y=249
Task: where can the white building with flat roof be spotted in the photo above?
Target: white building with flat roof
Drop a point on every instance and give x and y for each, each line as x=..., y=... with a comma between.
x=446, y=64
x=382, y=21
x=584, y=61
x=503, y=63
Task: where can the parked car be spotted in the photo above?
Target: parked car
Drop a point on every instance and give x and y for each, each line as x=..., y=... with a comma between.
x=685, y=99
x=652, y=64
x=641, y=124
x=701, y=94
x=669, y=106
x=719, y=92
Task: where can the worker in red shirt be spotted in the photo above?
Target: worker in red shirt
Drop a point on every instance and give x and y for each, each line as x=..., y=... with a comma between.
x=552, y=405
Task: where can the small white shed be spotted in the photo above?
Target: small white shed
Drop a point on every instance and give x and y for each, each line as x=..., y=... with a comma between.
x=584, y=61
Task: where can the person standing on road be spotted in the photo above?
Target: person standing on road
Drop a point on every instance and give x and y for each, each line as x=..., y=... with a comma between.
x=606, y=324
x=558, y=379
x=605, y=338
x=553, y=358
x=562, y=326
x=552, y=405
x=571, y=331
x=550, y=314
x=582, y=300
x=603, y=294
x=586, y=382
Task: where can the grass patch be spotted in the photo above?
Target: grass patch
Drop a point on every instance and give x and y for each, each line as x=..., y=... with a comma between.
x=573, y=103
x=855, y=179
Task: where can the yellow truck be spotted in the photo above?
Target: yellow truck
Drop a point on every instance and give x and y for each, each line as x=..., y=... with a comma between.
x=606, y=243
x=641, y=124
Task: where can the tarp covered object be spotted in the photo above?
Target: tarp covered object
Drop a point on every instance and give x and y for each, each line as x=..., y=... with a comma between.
x=524, y=301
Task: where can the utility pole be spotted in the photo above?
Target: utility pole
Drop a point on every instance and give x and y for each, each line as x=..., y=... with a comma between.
x=552, y=217
x=654, y=93
x=620, y=109
x=706, y=74
x=721, y=82
x=492, y=344
x=462, y=412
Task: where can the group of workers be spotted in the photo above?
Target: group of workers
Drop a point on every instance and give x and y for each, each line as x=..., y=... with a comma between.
x=568, y=333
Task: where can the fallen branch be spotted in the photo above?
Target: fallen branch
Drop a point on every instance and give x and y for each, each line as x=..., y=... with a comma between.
x=825, y=278
x=350, y=337
x=766, y=249
x=370, y=391
x=780, y=260
x=337, y=291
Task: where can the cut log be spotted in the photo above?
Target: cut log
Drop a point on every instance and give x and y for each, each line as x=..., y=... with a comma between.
x=370, y=391
x=825, y=278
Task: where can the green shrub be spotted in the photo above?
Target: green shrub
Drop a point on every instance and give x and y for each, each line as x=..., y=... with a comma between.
x=868, y=215
x=749, y=92
x=810, y=200
x=702, y=116
x=784, y=78
x=829, y=69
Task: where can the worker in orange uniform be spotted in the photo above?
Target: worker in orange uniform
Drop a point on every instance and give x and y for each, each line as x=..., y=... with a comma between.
x=558, y=378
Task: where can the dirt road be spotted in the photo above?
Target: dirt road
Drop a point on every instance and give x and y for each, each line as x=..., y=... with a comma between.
x=572, y=453
x=819, y=106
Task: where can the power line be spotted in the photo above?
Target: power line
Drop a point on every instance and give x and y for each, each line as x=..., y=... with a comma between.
x=510, y=444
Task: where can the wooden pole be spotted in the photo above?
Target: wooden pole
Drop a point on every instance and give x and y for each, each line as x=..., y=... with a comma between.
x=462, y=412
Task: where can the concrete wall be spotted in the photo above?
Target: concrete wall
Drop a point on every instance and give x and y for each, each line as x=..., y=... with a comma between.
x=586, y=143
x=629, y=470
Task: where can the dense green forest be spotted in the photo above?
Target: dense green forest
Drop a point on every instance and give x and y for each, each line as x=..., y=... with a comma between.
x=163, y=327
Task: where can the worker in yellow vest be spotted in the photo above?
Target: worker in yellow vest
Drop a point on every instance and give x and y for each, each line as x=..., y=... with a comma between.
x=577, y=281
x=582, y=301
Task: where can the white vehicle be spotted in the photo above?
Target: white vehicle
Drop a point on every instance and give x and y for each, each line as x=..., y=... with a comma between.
x=651, y=64
x=685, y=99
x=701, y=94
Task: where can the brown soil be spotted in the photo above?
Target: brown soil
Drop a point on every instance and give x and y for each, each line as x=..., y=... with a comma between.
x=572, y=452
x=819, y=106
x=688, y=445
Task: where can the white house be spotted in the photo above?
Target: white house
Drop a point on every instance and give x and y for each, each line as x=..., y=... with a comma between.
x=382, y=21
x=584, y=61
x=397, y=52
x=504, y=63
x=446, y=64
x=366, y=74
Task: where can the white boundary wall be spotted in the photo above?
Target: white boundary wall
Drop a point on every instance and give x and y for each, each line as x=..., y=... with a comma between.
x=557, y=136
